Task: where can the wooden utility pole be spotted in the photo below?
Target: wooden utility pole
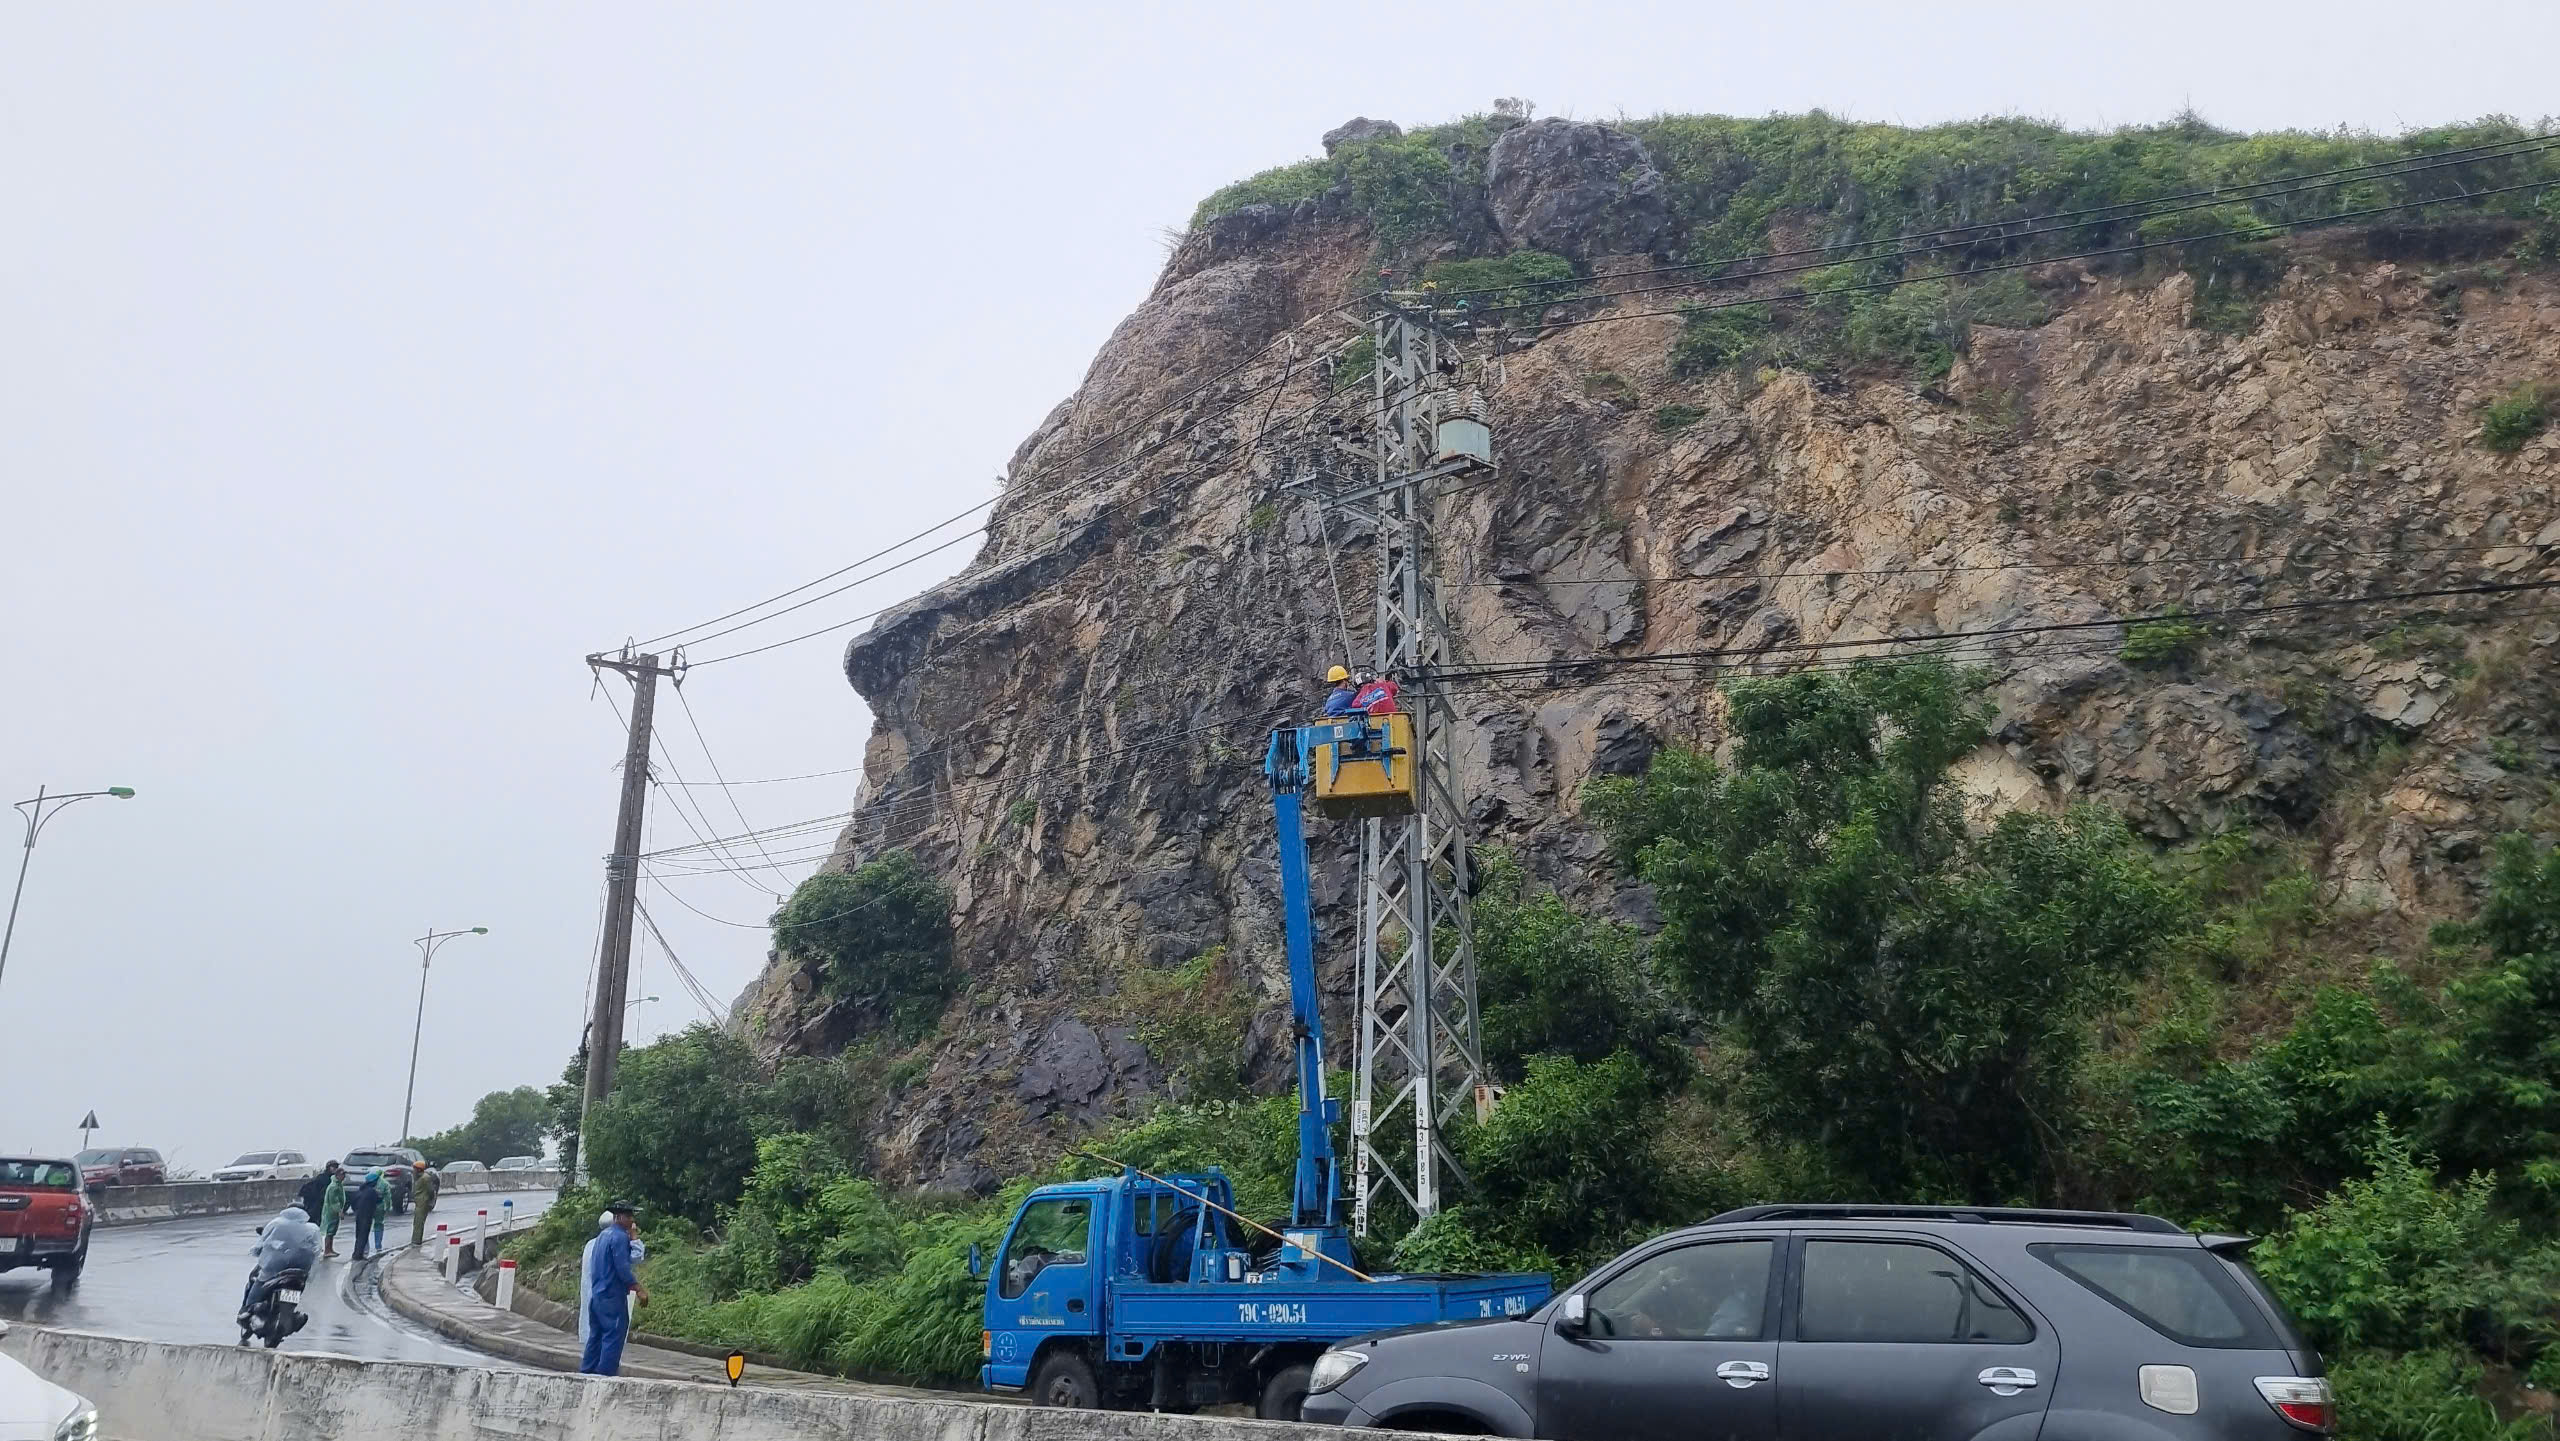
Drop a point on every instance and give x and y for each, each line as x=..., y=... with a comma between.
x=622, y=884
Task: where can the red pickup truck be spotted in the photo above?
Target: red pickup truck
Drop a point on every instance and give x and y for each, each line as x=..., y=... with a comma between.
x=44, y=1218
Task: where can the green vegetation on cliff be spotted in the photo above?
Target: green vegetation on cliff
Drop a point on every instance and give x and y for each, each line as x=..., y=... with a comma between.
x=1729, y=179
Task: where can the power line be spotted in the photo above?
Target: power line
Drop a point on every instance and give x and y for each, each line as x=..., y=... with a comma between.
x=1499, y=668
x=725, y=788
x=729, y=864
x=1062, y=542
x=771, y=780
x=1908, y=570
x=925, y=801
x=1149, y=418
x=701, y=994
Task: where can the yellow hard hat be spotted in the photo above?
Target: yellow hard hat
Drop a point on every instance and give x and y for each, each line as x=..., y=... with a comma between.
x=1337, y=675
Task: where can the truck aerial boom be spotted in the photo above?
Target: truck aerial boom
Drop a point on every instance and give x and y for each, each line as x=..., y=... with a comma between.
x=1144, y=1291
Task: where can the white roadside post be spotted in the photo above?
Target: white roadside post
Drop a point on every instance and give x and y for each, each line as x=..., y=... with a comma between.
x=480, y=1240
x=507, y=1216
x=452, y=1258
x=506, y=1285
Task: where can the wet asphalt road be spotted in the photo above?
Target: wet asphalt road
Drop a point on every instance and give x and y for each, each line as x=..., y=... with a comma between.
x=181, y=1281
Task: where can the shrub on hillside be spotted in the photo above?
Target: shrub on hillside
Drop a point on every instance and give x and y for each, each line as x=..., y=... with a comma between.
x=879, y=937
x=1713, y=337
x=2396, y=1262
x=1527, y=281
x=2515, y=417
x=2423, y=1396
x=1552, y=981
x=678, y=1134
x=1830, y=873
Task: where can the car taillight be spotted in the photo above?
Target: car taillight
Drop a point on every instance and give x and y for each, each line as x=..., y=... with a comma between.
x=987, y=1344
x=2302, y=1400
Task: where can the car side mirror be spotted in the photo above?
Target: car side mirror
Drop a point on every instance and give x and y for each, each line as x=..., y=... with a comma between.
x=977, y=1261
x=1575, y=1318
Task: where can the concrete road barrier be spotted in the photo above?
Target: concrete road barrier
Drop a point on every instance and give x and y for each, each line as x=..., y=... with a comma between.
x=133, y=1205
x=154, y=1391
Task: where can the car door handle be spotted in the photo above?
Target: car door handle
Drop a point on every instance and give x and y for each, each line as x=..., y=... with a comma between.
x=1742, y=1375
x=2006, y=1380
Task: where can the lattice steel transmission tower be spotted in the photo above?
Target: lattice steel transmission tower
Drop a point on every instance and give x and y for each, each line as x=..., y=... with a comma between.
x=1420, y=1051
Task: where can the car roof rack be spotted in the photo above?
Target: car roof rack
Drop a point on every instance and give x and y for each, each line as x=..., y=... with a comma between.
x=1978, y=1215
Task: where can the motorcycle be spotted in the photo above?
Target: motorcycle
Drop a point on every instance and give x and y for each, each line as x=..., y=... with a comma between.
x=276, y=1312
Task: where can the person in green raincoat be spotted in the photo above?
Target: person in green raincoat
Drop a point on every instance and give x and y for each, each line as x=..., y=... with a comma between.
x=333, y=1205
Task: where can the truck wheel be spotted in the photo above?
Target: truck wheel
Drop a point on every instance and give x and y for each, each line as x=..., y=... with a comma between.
x=66, y=1273
x=1065, y=1379
x=1285, y=1393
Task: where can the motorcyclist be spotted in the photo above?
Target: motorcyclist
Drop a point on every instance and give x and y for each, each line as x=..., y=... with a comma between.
x=290, y=1242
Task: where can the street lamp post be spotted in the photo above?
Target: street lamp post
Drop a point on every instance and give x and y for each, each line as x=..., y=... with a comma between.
x=37, y=815
x=426, y=956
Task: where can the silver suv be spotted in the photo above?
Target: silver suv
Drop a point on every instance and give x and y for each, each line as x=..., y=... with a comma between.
x=1851, y=1323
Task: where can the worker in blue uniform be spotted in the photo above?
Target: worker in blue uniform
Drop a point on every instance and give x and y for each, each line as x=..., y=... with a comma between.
x=1339, y=703
x=611, y=1288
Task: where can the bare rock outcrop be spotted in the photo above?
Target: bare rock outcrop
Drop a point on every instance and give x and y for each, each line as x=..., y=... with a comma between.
x=1359, y=128
x=1577, y=188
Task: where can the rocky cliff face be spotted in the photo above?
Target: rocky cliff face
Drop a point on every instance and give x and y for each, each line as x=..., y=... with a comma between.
x=1069, y=732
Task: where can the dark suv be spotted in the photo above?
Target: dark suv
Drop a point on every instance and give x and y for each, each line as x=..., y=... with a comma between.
x=1864, y=1323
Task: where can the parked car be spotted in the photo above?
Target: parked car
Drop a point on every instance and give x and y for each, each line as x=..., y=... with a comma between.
x=267, y=1166
x=398, y=1165
x=455, y=1170
x=1929, y=1323
x=44, y=1218
x=122, y=1166
x=32, y=1406
x=519, y=1163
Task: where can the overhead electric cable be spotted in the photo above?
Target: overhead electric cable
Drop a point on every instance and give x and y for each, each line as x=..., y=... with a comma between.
x=1525, y=666
x=725, y=788
x=1096, y=444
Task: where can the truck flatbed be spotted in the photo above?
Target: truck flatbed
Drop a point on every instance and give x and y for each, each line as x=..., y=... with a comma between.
x=1279, y=1310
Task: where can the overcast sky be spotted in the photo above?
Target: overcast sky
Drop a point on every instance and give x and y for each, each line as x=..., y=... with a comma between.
x=363, y=367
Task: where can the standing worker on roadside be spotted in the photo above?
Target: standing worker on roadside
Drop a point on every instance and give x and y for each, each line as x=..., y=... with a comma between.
x=364, y=1204
x=424, y=1189
x=333, y=1204
x=315, y=1192
x=611, y=1288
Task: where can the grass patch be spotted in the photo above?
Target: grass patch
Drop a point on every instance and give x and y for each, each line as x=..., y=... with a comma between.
x=1611, y=387
x=1713, y=338
x=1672, y=419
x=1353, y=363
x=2515, y=417
x=2155, y=644
x=1525, y=280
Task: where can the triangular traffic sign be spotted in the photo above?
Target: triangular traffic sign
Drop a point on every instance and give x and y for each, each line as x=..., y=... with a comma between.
x=89, y=1122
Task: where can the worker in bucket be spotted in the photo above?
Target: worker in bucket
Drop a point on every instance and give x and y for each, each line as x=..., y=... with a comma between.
x=1377, y=695
x=1338, y=703
x=610, y=1291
